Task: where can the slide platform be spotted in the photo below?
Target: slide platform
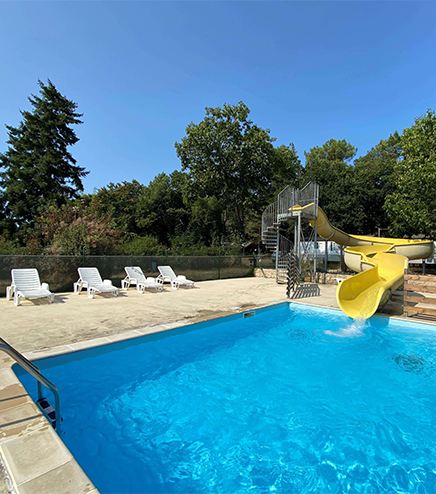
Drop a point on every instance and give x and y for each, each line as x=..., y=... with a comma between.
x=380, y=263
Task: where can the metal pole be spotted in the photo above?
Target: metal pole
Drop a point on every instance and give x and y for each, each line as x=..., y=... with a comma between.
x=316, y=231
x=326, y=256
x=315, y=257
x=277, y=254
x=298, y=243
x=219, y=265
x=259, y=265
x=341, y=262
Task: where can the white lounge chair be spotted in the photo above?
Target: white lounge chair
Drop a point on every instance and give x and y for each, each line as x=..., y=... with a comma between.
x=26, y=284
x=167, y=275
x=135, y=276
x=90, y=279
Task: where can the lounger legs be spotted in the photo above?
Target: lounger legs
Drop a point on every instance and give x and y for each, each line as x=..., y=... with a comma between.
x=9, y=292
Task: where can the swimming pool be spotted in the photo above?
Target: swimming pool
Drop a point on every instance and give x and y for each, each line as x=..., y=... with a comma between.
x=294, y=399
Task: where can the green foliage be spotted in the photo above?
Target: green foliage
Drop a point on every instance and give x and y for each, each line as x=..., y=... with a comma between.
x=143, y=246
x=120, y=201
x=328, y=166
x=11, y=247
x=287, y=170
x=72, y=227
x=206, y=226
x=230, y=172
x=38, y=168
x=233, y=160
x=374, y=180
x=184, y=246
x=161, y=208
x=412, y=207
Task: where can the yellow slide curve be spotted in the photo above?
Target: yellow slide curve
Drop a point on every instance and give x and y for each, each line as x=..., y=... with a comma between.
x=380, y=263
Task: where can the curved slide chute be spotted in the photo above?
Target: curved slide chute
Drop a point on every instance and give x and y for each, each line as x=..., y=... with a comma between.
x=380, y=263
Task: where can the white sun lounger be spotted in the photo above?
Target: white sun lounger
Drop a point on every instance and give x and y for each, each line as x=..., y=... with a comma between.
x=135, y=276
x=167, y=275
x=26, y=284
x=90, y=279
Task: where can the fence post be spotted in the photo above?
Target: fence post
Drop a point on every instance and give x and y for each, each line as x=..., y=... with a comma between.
x=219, y=265
x=257, y=264
x=83, y=256
x=166, y=256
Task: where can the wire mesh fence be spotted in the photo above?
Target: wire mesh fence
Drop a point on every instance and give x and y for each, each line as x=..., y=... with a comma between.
x=60, y=272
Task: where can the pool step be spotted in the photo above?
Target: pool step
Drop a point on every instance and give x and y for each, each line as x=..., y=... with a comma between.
x=48, y=411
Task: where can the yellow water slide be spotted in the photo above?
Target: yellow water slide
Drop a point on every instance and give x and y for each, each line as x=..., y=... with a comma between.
x=380, y=263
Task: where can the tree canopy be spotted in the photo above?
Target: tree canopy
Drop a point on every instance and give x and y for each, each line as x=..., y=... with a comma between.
x=373, y=182
x=231, y=159
x=230, y=171
x=411, y=207
x=38, y=168
x=329, y=165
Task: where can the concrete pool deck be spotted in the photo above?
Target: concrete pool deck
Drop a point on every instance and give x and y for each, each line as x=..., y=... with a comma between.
x=38, y=326
x=32, y=458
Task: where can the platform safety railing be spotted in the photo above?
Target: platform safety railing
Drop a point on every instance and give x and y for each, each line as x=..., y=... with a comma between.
x=33, y=370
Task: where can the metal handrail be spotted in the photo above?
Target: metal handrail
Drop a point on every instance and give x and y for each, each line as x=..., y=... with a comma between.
x=269, y=218
x=33, y=370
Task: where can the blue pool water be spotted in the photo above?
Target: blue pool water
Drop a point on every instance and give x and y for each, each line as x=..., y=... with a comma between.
x=294, y=399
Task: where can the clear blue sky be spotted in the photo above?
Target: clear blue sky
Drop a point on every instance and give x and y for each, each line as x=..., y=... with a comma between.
x=142, y=71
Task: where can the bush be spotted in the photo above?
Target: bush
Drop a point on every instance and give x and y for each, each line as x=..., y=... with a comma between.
x=143, y=246
x=9, y=247
x=182, y=247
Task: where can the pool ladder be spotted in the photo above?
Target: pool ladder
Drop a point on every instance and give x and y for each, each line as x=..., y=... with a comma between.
x=53, y=414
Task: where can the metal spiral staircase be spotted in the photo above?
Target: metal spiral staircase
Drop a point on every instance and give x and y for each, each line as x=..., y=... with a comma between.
x=280, y=211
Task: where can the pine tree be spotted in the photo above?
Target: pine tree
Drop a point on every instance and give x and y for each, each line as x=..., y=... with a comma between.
x=38, y=169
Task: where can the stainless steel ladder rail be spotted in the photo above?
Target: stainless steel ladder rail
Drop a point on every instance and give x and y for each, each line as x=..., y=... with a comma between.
x=33, y=370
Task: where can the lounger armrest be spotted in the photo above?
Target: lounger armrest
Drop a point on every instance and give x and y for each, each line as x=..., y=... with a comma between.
x=107, y=282
x=45, y=286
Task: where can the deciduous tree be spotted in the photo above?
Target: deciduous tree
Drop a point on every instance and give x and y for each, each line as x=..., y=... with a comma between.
x=121, y=202
x=329, y=165
x=373, y=181
x=232, y=159
x=412, y=207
